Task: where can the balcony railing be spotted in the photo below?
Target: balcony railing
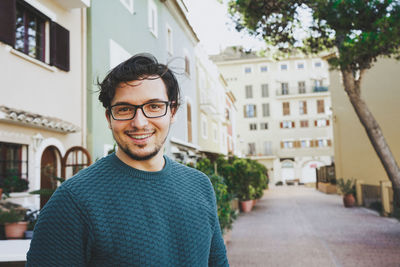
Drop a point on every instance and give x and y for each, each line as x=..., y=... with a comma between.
x=298, y=91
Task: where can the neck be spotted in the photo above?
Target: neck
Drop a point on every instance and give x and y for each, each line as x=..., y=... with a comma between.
x=154, y=164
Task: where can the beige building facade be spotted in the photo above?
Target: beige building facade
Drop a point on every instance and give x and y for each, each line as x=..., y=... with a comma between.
x=42, y=96
x=354, y=154
x=284, y=115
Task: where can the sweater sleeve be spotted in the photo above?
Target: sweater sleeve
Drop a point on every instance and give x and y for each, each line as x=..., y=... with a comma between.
x=61, y=236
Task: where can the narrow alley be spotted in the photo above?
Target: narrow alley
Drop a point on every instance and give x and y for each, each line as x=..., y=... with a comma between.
x=299, y=226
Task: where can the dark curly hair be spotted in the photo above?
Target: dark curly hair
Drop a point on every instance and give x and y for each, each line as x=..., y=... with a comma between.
x=139, y=67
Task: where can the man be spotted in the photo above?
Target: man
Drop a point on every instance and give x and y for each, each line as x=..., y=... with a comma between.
x=135, y=207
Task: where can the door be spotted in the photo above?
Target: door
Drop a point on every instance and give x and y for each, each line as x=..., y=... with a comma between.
x=48, y=167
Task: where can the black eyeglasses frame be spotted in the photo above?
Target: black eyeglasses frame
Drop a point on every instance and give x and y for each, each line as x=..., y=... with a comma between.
x=136, y=107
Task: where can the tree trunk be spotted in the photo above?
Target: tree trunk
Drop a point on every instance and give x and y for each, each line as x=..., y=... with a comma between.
x=375, y=135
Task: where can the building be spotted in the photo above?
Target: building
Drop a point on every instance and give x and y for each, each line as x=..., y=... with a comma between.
x=119, y=29
x=284, y=115
x=214, y=100
x=354, y=154
x=43, y=96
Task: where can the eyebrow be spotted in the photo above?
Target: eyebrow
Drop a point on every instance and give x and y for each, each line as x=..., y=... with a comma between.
x=149, y=101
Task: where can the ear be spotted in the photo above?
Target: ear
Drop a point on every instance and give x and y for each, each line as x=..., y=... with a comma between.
x=107, y=113
x=173, y=114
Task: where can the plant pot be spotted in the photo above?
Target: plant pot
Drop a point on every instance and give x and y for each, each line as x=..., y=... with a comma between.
x=15, y=230
x=246, y=205
x=349, y=200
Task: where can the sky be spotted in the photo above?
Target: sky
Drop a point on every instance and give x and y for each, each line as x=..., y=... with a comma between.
x=215, y=29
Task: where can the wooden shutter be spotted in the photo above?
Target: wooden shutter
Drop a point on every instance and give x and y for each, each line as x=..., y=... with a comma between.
x=329, y=142
x=312, y=143
x=315, y=123
x=281, y=123
x=281, y=144
x=7, y=21
x=293, y=124
x=244, y=112
x=327, y=122
x=59, y=46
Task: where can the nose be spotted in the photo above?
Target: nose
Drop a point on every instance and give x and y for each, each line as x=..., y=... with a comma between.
x=140, y=120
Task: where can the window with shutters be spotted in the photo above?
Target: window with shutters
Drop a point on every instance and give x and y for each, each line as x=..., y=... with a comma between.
x=286, y=108
x=13, y=162
x=31, y=32
x=302, y=87
x=303, y=107
x=304, y=123
x=284, y=88
x=305, y=143
x=249, y=91
x=320, y=106
x=287, y=144
x=265, y=109
x=250, y=111
x=251, y=148
x=287, y=124
x=264, y=126
x=253, y=126
x=264, y=90
x=321, y=123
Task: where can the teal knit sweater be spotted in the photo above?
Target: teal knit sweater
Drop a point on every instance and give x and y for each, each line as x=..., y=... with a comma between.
x=110, y=214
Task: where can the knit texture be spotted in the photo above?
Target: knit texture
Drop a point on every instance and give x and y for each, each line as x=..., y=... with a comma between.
x=111, y=214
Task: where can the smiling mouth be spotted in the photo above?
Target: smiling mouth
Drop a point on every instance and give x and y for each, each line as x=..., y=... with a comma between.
x=139, y=136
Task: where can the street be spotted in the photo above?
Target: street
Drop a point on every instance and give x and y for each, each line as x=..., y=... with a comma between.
x=299, y=226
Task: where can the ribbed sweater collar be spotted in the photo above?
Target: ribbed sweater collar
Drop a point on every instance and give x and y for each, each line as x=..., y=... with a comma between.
x=145, y=175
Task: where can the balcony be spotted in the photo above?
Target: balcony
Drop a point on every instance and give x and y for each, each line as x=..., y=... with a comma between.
x=295, y=91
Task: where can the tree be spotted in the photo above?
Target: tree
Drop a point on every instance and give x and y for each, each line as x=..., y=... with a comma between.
x=358, y=31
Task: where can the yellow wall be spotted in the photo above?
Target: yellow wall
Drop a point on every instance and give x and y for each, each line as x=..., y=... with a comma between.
x=354, y=154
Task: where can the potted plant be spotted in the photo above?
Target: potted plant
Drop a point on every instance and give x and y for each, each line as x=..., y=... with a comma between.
x=13, y=183
x=347, y=188
x=31, y=217
x=14, y=226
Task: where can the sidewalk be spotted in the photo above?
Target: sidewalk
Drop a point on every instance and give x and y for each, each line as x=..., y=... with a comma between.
x=298, y=226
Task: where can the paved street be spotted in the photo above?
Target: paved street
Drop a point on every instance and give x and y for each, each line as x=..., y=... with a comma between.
x=298, y=226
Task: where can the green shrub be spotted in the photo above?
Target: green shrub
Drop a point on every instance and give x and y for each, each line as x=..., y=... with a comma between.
x=10, y=216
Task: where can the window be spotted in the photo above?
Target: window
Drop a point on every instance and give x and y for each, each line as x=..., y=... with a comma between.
x=13, y=161
x=189, y=122
x=253, y=126
x=247, y=70
x=215, y=132
x=251, y=148
x=300, y=65
x=128, y=4
x=287, y=144
x=318, y=64
x=249, y=91
x=302, y=87
x=321, y=123
x=264, y=68
x=28, y=30
x=284, y=67
x=204, y=128
x=265, y=109
x=320, y=106
x=284, y=88
x=305, y=143
x=153, y=18
x=187, y=65
x=287, y=124
x=321, y=142
x=264, y=90
x=264, y=126
x=267, y=148
x=303, y=107
x=304, y=123
x=170, y=47
x=286, y=108
x=250, y=111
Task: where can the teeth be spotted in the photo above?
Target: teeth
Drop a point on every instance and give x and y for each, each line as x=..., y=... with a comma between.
x=143, y=136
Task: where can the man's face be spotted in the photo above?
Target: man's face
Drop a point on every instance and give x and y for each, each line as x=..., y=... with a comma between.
x=141, y=138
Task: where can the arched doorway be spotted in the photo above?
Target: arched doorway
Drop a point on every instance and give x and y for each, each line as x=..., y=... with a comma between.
x=49, y=164
x=287, y=170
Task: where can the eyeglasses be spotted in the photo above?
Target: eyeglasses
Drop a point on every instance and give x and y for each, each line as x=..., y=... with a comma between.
x=124, y=112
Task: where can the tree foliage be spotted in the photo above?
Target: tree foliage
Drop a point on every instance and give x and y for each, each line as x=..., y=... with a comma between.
x=360, y=30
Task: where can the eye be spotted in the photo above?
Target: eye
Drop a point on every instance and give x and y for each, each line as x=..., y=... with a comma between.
x=123, y=109
x=154, y=106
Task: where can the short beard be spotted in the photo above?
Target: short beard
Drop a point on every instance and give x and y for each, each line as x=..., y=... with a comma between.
x=137, y=157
